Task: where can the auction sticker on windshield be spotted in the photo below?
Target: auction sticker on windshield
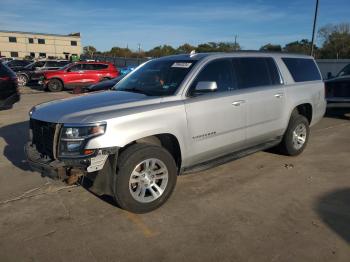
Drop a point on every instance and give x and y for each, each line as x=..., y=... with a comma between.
x=181, y=65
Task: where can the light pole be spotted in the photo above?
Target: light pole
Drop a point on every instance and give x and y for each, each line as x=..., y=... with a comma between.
x=235, y=48
x=314, y=29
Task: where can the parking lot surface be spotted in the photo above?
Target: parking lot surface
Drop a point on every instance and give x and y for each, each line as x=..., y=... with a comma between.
x=264, y=207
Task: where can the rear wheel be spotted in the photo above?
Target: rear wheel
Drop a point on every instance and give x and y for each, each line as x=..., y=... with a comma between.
x=55, y=85
x=296, y=137
x=145, y=179
x=22, y=80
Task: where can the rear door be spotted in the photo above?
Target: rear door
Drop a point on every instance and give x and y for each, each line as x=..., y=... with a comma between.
x=216, y=120
x=261, y=84
x=102, y=71
x=91, y=75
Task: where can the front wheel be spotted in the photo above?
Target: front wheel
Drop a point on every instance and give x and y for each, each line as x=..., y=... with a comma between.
x=22, y=80
x=55, y=85
x=146, y=176
x=296, y=136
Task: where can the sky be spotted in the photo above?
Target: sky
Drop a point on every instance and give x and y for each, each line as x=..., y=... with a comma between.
x=105, y=24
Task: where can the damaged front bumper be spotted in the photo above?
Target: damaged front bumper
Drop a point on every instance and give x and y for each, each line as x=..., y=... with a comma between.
x=63, y=169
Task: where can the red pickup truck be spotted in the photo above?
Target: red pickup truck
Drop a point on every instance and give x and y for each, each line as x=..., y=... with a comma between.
x=78, y=74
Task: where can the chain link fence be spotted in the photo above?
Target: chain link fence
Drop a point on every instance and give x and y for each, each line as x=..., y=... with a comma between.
x=117, y=61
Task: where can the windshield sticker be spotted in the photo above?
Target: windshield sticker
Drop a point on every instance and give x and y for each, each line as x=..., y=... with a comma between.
x=181, y=65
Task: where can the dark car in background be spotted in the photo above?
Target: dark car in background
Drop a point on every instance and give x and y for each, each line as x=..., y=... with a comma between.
x=79, y=74
x=17, y=64
x=8, y=87
x=32, y=72
x=338, y=89
x=104, y=85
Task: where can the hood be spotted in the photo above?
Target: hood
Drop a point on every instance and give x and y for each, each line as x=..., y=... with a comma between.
x=339, y=78
x=90, y=108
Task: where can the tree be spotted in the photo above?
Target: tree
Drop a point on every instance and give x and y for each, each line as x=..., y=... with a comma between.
x=228, y=47
x=185, y=49
x=336, y=41
x=271, y=47
x=89, y=50
x=159, y=51
x=299, y=47
x=120, y=52
x=218, y=47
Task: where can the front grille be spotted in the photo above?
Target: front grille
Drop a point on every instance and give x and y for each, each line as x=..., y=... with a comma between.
x=43, y=137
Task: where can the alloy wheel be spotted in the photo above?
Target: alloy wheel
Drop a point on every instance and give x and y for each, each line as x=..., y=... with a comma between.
x=148, y=180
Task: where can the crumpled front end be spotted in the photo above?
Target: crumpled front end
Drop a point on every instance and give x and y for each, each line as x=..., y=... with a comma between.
x=44, y=154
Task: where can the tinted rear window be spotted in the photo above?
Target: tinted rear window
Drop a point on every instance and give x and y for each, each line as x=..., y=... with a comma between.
x=5, y=71
x=100, y=66
x=302, y=69
x=256, y=71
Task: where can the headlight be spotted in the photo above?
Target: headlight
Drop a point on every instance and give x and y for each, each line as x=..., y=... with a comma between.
x=31, y=111
x=74, y=138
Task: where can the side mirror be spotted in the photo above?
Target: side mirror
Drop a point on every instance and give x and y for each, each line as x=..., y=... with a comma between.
x=206, y=86
x=329, y=75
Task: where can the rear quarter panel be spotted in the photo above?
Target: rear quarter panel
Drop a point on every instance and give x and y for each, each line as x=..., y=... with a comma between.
x=297, y=93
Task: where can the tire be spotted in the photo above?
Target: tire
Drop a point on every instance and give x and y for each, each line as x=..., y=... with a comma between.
x=134, y=188
x=55, y=85
x=22, y=80
x=292, y=144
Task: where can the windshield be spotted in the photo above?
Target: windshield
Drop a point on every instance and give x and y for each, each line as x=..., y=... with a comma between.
x=29, y=66
x=157, y=77
x=345, y=71
x=66, y=66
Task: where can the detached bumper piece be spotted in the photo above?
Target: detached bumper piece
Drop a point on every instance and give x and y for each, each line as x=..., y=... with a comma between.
x=44, y=165
x=68, y=170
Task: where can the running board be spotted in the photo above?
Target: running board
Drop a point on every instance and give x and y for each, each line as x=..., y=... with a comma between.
x=229, y=157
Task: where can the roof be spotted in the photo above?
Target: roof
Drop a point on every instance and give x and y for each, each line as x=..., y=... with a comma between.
x=199, y=56
x=77, y=35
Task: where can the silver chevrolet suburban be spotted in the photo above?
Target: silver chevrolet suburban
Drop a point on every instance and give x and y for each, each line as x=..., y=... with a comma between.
x=174, y=115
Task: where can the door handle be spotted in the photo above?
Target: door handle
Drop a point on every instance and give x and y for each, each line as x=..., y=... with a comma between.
x=278, y=95
x=238, y=103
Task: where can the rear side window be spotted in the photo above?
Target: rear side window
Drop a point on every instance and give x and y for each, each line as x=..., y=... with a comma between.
x=88, y=67
x=302, y=69
x=100, y=66
x=256, y=71
x=219, y=71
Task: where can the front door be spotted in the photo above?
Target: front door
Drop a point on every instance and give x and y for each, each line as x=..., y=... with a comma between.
x=216, y=120
x=74, y=75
